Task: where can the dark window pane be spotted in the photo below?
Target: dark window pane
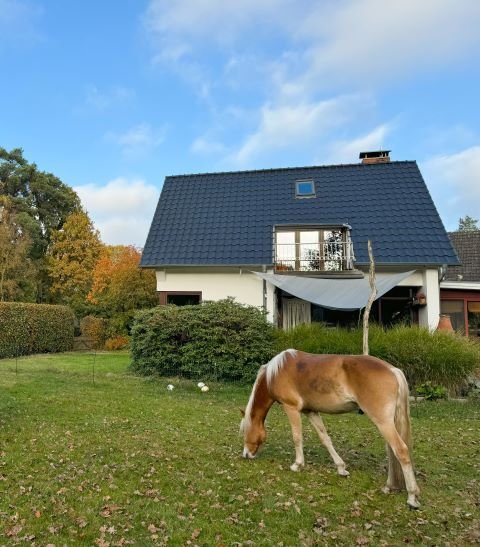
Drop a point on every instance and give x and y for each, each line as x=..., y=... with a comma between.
x=473, y=319
x=183, y=299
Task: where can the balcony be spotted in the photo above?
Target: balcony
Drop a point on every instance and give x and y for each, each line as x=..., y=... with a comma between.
x=310, y=250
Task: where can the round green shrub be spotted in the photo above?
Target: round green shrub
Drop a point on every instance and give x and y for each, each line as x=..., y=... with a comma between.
x=220, y=340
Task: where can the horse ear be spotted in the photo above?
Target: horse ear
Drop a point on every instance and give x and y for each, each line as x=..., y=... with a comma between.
x=242, y=412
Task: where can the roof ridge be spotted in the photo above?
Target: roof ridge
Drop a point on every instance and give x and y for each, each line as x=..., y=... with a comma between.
x=275, y=169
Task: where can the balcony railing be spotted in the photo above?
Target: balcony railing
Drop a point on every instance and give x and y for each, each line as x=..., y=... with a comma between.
x=328, y=256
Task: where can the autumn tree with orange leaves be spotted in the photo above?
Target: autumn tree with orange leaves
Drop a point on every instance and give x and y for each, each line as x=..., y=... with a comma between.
x=120, y=286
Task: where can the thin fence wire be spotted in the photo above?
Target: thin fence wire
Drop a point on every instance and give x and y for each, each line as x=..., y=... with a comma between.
x=26, y=366
x=94, y=365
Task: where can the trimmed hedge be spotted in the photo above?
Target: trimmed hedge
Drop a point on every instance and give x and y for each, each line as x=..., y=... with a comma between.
x=215, y=340
x=441, y=358
x=34, y=328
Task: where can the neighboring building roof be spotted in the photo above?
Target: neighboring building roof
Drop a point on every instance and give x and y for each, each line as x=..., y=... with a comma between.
x=467, y=245
x=228, y=218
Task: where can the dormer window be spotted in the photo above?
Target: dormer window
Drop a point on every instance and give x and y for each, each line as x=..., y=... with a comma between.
x=304, y=188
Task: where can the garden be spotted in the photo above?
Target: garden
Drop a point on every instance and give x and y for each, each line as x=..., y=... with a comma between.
x=124, y=447
x=91, y=454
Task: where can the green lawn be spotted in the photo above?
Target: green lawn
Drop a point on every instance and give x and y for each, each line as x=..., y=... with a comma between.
x=112, y=459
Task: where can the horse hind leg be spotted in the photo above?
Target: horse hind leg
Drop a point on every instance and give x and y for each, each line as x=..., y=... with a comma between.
x=295, y=420
x=402, y=453
x=319, y=426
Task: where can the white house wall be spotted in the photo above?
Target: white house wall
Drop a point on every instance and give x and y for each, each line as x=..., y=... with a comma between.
x=242, y=285
x=430, y=314
x=247, y=288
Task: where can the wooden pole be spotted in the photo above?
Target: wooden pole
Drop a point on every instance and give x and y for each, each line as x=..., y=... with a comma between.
x=371, y=298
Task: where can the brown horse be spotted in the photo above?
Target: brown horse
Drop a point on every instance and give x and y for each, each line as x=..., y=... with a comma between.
x=306, y=383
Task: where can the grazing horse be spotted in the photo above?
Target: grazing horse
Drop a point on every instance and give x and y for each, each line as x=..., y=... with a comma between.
x=307, y=383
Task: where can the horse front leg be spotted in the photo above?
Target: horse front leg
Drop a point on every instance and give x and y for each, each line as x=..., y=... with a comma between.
x=317, y=422
x=295, y=419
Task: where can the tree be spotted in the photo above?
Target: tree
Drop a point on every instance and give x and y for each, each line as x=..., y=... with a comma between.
x=72, y=257
x=17, y=273
x=467, y=224
x=120, y=286
x=40, y=202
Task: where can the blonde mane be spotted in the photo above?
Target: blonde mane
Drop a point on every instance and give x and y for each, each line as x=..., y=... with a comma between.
x=246, y=420
x=275, y=364
x=270, y=369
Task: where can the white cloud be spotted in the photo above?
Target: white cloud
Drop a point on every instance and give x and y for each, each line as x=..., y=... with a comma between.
x=103, y=100
x=297, y=127
x=454, y=181
x=122, y=209
x=175, y=25
x=294, y=55
x=353, y=41
x=138, y=141
x=366, y=39
x=346, y=151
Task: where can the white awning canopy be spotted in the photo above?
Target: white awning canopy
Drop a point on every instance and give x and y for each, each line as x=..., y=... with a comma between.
x=336, y=294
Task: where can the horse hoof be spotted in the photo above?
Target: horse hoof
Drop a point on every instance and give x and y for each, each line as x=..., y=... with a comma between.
x=296, y=467
x=413, y=504
x=343, y=472
x=386, y=490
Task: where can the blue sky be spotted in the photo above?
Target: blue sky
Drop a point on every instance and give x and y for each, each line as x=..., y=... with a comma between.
x=112, y=96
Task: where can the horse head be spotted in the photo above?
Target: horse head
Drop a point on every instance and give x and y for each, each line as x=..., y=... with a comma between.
x=254, y=436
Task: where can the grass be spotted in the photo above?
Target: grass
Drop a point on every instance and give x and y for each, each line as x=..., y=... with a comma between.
x=112, y=459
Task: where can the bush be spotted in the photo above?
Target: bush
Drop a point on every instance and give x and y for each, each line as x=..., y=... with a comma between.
x=34, y=328
x=120, y=324
x=431, y=392
x=94, y=328
x=215, y=340
x=116, y=343
x=440, y=357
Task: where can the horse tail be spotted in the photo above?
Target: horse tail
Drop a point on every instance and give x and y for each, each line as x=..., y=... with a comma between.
x=403, y=426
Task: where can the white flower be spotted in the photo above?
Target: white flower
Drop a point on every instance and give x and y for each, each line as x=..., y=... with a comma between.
x=204, y=388
x=200, y=384
x=170, y=387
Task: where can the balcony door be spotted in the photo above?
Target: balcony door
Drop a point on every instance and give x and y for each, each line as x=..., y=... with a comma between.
x=310, y=250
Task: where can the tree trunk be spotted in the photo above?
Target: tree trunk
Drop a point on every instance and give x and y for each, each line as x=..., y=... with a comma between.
x=371, y=298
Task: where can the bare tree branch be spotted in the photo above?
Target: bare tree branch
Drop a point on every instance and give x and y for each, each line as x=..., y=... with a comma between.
x=371, y=298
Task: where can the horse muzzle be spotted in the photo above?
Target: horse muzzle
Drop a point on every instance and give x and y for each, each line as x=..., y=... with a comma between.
x=247, y=454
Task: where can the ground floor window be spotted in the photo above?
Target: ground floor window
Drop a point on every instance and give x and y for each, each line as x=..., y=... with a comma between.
x=179, y=298
x=455, y=309
x=463, y=307
x=395, y=307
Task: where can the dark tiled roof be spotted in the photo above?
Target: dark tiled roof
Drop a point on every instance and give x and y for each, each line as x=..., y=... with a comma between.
x=228, y=218
x=467, y=245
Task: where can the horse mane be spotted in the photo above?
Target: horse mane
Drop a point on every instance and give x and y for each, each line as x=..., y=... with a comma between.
x=271, y=370
x=246, y=420
x=275, y=364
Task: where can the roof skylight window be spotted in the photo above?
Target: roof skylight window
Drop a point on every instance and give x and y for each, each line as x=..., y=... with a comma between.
x=305, y=188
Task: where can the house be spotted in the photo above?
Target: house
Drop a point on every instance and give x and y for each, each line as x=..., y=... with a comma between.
x=294, y=240
x=460, y=286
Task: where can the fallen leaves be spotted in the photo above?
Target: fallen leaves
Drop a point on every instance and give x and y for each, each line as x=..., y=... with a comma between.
x=108, y=510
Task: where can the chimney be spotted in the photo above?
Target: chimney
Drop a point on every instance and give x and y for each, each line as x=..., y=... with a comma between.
x=377, y=156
